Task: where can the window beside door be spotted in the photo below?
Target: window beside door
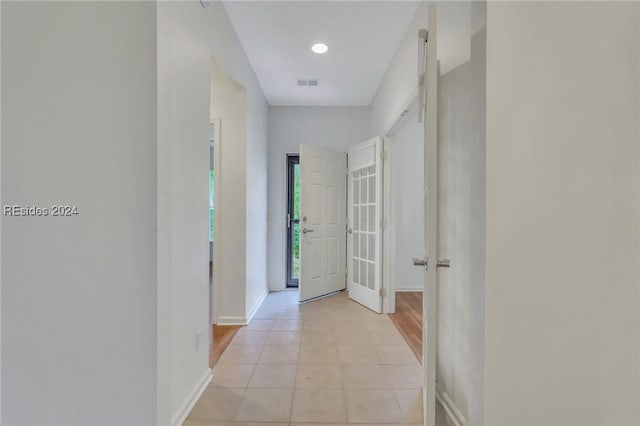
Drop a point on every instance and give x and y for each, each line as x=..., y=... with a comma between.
x=293, y=220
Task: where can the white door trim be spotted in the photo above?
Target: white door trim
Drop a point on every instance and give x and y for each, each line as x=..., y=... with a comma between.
x=217, y=218
x=406, y=113
x=389, y=301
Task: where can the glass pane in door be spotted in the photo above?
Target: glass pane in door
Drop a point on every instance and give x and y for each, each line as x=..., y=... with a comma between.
x=292, y=221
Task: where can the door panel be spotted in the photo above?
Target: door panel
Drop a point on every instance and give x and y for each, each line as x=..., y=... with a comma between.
x=323, y=221
x=430, y=306
x=365, y=234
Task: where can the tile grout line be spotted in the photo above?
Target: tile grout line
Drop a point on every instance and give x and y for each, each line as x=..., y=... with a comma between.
x=295, y=378
x=288, y=325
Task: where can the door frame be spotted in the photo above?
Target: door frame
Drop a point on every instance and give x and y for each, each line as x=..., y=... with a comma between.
x=217, y=219
x=403, y=116
x=292, y=159
x=430, y=326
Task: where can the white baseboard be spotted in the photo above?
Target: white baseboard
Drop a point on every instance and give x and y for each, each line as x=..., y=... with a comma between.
x=408, y=288
x=257, y=305
x=453, y=413
x=239, y=320
x=277, y=287
x=186, y=407
x=232, y=320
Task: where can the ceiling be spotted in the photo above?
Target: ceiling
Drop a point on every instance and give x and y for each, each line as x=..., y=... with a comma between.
x=362, y=38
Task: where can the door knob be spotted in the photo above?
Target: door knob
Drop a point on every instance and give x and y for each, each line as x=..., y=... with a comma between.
x=421, y=262
x=444, y=263
x=305, y=230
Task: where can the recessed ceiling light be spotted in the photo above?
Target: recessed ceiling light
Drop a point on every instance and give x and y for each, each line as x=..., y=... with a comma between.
x=319, y=48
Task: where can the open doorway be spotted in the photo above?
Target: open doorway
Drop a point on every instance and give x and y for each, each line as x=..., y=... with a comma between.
x=406, y=239
x=293, y=220
x=220, y=335
x=228, y=124
x=339, y=233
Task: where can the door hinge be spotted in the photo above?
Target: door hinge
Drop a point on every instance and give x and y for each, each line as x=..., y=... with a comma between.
x=384, y=223
x=383, y=155
x=383, y=292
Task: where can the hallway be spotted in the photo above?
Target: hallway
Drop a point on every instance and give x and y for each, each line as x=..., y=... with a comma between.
x=331, y=361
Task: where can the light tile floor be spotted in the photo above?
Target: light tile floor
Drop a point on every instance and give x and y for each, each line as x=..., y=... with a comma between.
x=330, y=361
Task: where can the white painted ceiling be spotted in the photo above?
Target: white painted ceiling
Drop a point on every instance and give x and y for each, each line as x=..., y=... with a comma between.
x=362, y=37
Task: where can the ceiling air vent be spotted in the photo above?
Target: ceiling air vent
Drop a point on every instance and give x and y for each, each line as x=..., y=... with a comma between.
x=306, y=82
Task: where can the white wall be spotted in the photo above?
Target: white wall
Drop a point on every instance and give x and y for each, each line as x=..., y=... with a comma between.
x=331, y=127
x=184, y=68
x=229, y=103
x=461, y=213
x=399, y=86
x=400, y=82
x=257, y=198
x=407, y=216
x=229, y=54
x=79, y=293
x=189, y=37
x=477, y=239
x=562, y=206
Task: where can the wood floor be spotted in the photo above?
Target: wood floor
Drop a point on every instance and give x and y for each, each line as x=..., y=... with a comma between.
x=222, y=336
x=408, y=319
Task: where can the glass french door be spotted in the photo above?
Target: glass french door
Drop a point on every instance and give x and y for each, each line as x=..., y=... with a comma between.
x=364, y=242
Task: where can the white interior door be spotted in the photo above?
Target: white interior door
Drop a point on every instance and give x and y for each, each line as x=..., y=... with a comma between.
x=323, y=221
x=430, y=305
x=365, y=233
